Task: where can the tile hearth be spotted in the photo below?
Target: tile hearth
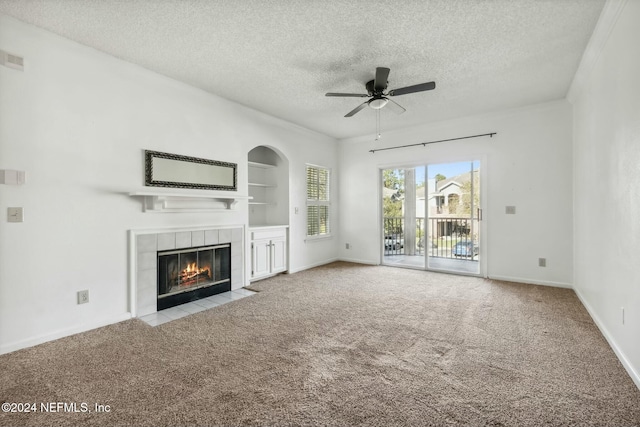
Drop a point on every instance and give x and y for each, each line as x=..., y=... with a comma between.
x=193, y=307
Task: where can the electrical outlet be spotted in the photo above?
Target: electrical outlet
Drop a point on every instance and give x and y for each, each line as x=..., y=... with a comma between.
x=542, y=262
x=83, y=297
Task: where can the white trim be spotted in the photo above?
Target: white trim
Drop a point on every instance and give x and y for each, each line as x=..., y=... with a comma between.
x=453, y=272
x=265, y=226
x=162, y=201
x=41, y=339
x=531, y=281
x=133, y=272
x=137, y=231
x=635, y=376
x=484, y=206
x=358, y=261
x=318, y=237
x=317, y=264
x=317, y=166
x=592, y=53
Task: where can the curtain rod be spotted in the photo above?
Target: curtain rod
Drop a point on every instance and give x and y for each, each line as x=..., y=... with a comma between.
x=433, y=142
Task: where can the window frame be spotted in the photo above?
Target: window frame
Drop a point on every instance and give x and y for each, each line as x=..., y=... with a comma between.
x=318, y=203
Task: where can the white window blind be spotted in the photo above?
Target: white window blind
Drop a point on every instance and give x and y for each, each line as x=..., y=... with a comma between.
x=318, y=201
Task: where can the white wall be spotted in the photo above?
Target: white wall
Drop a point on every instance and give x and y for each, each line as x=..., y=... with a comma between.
x=607, y=183
x=77, y=121
x=528, y=165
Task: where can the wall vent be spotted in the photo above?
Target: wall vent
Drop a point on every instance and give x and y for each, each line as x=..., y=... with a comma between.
x=12, y=61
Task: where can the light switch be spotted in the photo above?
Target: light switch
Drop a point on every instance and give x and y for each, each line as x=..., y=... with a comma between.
x=15, y=215
x=12, y=177
x=510, y=210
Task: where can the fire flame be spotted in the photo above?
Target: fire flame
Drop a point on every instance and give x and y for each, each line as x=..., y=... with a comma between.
x=192, y=271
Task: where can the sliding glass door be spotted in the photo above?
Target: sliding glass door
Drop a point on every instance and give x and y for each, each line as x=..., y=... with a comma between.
x=431, y=217
x=403, y=195
x=453, y=217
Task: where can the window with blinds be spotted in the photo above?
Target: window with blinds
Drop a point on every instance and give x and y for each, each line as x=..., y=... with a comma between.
x=318, y=201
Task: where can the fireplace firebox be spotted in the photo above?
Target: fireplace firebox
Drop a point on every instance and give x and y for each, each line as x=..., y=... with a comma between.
x=189, y=274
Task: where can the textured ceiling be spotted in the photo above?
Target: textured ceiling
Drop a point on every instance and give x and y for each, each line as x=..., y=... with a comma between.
x=282, y=56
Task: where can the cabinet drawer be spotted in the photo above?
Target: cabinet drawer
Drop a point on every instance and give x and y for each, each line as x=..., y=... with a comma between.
x=272, y=233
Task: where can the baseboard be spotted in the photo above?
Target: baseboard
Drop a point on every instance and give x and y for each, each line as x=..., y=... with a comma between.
x=30, y=342
x=635, y=376
x=532, y=282
x=358, y=261
x=317, y=264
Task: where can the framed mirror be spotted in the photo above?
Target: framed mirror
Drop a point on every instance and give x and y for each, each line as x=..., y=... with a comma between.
x=173, y=170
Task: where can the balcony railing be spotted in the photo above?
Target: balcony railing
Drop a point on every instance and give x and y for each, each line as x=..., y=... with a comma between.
x=444, y=237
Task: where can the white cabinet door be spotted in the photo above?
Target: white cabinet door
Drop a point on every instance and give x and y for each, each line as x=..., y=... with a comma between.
x=278, y=255
x=261, y=258
x=268, y=252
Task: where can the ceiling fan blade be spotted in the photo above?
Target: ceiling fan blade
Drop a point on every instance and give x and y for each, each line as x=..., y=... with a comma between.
x=411, y=89
x=358, y=108
x=380, y=82
x=352, y=95
x=395, y=107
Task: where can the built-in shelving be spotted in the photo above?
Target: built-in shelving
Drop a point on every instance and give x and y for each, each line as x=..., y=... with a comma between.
x=260, y=181
x=268, y=184
x=261, y=165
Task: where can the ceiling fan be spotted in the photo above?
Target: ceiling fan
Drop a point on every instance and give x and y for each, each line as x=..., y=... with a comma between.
x=376, y=91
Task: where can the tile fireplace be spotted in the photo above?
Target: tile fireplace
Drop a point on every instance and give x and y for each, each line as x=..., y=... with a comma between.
x=171, y=267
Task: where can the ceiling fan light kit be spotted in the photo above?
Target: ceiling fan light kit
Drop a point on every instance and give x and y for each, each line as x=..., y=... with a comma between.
x=378, y=103
x=376, y=92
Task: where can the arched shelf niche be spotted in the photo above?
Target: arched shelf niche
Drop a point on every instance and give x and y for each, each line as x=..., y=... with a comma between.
x=268, y=181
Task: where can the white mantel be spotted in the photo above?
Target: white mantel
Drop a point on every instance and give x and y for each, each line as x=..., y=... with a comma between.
x=177, y=200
